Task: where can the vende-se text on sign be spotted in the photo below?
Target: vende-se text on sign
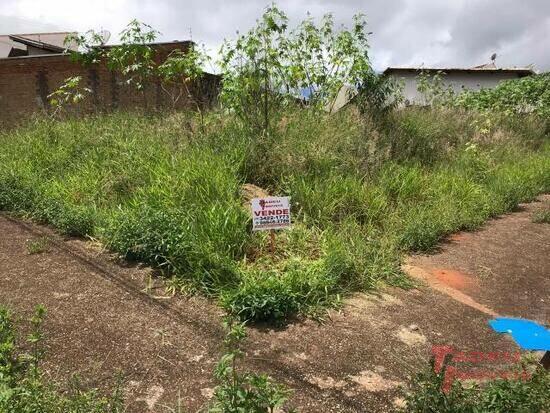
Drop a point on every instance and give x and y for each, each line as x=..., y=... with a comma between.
x=270, y=213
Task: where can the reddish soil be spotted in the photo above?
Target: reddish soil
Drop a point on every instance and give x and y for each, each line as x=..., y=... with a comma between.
x=104, y=317
x=455, y=279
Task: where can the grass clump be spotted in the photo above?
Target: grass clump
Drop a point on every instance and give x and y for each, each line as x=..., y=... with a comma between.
x=364, y=192
x=38, y=245
x=542, y=216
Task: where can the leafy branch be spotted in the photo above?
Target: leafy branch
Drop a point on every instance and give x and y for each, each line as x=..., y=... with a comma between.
x=69, y=93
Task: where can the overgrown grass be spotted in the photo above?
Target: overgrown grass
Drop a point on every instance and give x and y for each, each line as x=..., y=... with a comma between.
x=162, y=191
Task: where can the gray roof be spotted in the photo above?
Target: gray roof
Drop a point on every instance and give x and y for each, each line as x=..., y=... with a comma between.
x=523, y=71
x=52, y=39
x=38, y=44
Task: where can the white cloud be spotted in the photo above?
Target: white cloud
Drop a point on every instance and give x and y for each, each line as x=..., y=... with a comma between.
x=406, y=32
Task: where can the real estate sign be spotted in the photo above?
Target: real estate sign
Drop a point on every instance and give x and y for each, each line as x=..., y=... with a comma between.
x=270, y=213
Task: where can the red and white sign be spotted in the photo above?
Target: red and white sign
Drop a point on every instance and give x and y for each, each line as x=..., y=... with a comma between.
x=270, y=213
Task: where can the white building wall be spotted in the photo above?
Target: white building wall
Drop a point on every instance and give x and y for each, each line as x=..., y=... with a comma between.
x=457, y=80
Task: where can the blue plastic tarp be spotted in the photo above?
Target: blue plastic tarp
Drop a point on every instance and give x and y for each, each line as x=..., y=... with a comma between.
x=526, y=333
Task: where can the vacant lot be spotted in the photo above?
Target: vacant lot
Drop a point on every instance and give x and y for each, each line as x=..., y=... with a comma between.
x=155, y=208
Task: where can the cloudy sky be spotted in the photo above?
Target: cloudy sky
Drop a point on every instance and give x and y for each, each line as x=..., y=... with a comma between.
x=438, y=33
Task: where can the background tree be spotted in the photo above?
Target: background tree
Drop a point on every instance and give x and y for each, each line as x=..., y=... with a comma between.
x=134, y=58
x=180, y=73
x=253, y=70
x=271, y=66
x=323, y=59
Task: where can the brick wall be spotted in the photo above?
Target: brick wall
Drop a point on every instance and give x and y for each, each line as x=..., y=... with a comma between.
x=26, y=82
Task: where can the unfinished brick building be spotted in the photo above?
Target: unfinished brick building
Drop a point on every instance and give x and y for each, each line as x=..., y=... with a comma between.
x=26, y=81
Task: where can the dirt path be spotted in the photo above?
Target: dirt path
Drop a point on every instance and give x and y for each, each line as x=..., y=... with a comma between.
x=102, y=320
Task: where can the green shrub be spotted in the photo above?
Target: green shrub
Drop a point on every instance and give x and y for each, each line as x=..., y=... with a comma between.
x=531, y=93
